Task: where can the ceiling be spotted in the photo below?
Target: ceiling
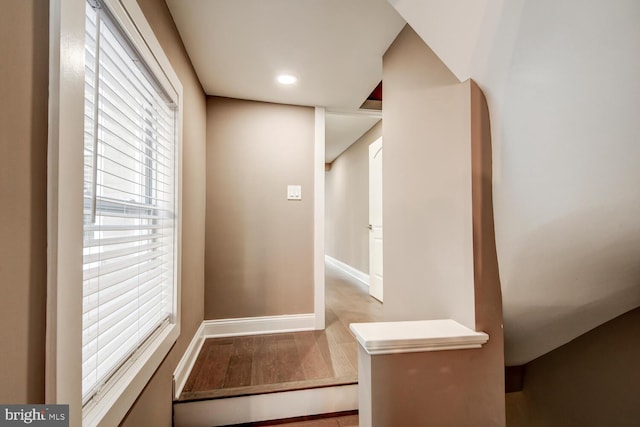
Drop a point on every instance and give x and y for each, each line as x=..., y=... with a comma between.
x=333, y=47
x=342, y=130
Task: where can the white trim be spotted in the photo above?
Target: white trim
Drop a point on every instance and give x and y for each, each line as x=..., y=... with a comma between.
x=364, y=388
x=63, y=378
x=140, y=31
x=64, y=221
x=259, y=325
x=262, y=407
x=416, y=336
x=123, y=391
x=318, y=218
x=182, y=371
x=159, y=62
x=346, y=268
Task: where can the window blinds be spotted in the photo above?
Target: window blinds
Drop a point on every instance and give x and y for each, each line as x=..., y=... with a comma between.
x=129, y=203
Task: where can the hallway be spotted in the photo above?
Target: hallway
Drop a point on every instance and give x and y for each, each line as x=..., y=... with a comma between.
x=238, y=366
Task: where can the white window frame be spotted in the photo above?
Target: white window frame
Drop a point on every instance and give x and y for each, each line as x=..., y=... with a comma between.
x=64, y=216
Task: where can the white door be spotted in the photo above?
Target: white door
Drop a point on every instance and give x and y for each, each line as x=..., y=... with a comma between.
x=375, y=219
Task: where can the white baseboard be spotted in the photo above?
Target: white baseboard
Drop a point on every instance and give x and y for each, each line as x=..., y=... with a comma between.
x=259, y=325
x=262, y=407
x=353, y=272
x=187, y=361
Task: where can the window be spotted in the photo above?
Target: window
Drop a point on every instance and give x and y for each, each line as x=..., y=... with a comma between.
x=129, y=202
x=114, y=208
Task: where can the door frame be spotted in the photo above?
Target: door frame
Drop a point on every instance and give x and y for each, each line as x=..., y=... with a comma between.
x=318, y=219
x=319, y=203
x=378, y=146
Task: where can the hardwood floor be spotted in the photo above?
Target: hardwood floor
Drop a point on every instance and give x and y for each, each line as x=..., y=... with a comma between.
x=239, y=366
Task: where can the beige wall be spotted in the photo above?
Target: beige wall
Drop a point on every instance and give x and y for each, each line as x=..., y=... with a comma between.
x=438, y=151
x=259, y=254
x=591, y=381
x=428, y=265
x=154, y=406
x=347, y=203
x=439, y=388
x=24, y=80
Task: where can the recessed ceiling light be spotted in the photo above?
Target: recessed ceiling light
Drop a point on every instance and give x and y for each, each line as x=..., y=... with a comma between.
x=287, y=79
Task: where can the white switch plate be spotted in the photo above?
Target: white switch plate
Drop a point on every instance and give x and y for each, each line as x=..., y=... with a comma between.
x=294, y=192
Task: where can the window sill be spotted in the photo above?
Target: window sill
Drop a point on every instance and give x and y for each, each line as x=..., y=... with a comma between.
x=113, y=404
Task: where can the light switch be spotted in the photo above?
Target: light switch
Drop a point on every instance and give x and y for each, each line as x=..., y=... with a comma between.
x=294, y=192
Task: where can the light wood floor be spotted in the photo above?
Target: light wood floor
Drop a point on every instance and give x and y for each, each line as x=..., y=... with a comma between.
x=239, y=366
